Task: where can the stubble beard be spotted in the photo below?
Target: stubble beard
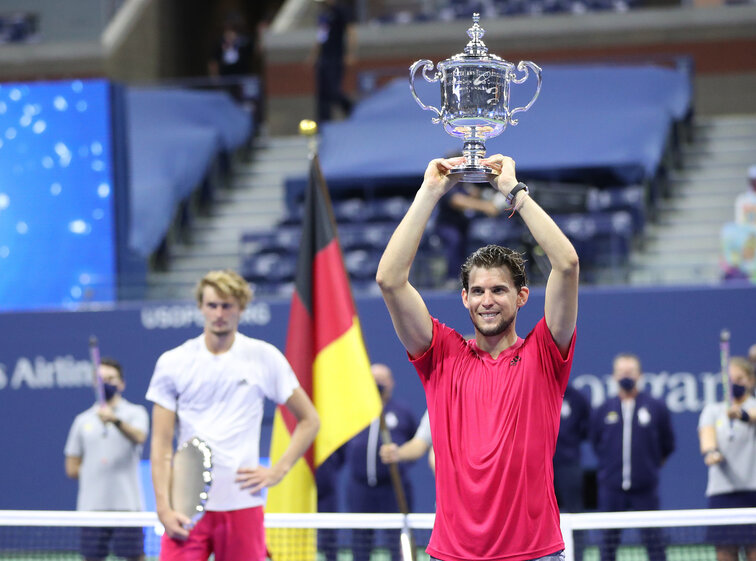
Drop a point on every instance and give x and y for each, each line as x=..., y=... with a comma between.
x=497, y=329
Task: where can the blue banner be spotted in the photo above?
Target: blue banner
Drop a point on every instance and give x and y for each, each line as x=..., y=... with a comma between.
x=45, y=375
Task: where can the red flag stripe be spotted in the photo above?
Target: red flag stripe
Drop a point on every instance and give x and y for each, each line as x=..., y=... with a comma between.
x=333, y=306
x=299, y=354
x=299, y=343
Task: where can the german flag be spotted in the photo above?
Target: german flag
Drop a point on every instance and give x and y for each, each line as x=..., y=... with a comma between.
x=325, y=348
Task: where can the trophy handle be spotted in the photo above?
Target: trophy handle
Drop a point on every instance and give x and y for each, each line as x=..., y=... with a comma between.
x=525, y=65
x=427, y=65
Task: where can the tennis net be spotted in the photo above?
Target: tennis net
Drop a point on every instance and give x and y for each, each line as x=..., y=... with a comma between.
x=667, y=535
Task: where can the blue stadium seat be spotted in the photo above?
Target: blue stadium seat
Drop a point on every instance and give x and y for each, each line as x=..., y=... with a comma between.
x=601, y=239
x=372, y=236
x=251, y=243
x=498, y=230
x=390, y=209
x=283, y=239
x=557, y=197
x=269, y=268
x=631, y=199
x=293, y=217
x=350, y=210
x=361, y=264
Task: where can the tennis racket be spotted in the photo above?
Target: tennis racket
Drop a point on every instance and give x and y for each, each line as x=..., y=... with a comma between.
x=94, y=357
x=99, y=389
x=191, y=478
x=724, y=364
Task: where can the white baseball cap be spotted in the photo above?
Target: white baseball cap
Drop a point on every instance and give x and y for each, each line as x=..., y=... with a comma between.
x=752, y=172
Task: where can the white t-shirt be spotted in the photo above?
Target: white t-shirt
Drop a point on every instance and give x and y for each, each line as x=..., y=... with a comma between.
x=423, y=431
x=736, y=440
x=219, y=398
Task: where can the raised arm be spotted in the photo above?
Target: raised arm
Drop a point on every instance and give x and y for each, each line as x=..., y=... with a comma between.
x=133, y=433
x=562, y=285
x=411, y=318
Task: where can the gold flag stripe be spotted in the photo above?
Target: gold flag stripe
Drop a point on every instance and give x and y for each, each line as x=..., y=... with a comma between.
x=347, y=403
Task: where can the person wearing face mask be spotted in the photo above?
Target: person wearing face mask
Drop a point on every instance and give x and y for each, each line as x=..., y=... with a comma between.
x=632, y=437
x=369, y=487
x=727, y=434
x=102, y=452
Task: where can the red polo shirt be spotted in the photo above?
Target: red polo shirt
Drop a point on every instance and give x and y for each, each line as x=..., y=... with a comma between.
x=494, y=425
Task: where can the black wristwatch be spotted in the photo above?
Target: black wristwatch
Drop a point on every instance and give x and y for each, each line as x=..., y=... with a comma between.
x=513, y=193
x=117, y=423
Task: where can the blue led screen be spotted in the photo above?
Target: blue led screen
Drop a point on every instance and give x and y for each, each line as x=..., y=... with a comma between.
x=57, y=231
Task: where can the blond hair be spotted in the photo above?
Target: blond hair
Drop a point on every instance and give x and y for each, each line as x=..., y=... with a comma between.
x=228, y=284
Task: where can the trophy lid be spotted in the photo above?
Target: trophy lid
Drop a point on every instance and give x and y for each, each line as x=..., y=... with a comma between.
x=476, y=48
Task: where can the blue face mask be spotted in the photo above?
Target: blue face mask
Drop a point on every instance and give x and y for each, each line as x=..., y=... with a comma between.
x=109, y=390
x=738, y=391
x=627, y=384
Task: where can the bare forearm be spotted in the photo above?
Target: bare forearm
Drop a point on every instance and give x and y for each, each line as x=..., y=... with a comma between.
x=161, y=477
x=556, y=246
x=132, y=433
x=301, y=439
x=72, y=465
x=412, y=450
x=708, y=439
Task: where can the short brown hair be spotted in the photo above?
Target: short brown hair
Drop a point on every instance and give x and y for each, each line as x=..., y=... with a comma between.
x=494, y=257
x=227, y=284
x=113, y=363
x=744, y=364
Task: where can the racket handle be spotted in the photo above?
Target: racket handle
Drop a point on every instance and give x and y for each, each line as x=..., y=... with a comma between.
x=94, y=357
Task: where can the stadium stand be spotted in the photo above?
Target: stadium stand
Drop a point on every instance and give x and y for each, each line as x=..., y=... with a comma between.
x=600, y=176
x=19, y=27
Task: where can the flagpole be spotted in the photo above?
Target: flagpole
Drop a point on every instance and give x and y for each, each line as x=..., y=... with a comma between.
x=339, y=375
x=407, y=540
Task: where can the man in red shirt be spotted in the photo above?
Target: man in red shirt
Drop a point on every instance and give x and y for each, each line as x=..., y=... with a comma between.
x=494, y=401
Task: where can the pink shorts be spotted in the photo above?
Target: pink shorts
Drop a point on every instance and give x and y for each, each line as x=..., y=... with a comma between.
x=232, y=535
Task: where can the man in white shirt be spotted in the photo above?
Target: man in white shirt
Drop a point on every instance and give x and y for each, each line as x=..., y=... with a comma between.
x=215, y=385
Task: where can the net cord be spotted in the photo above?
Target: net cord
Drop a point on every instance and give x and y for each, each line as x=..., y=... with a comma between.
x=569, y=522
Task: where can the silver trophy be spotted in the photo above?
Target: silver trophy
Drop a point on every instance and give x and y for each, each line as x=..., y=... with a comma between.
x=475, y=98
x=191, y=478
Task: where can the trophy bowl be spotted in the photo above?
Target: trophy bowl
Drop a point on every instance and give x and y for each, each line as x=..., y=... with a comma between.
x=475, y=95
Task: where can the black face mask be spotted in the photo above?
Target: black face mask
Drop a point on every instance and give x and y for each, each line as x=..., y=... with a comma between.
x=738, y=391
x=109, y=390
x=627, y=384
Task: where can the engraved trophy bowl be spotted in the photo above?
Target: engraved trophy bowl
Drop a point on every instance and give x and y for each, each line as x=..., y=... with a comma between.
x=475, y=95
